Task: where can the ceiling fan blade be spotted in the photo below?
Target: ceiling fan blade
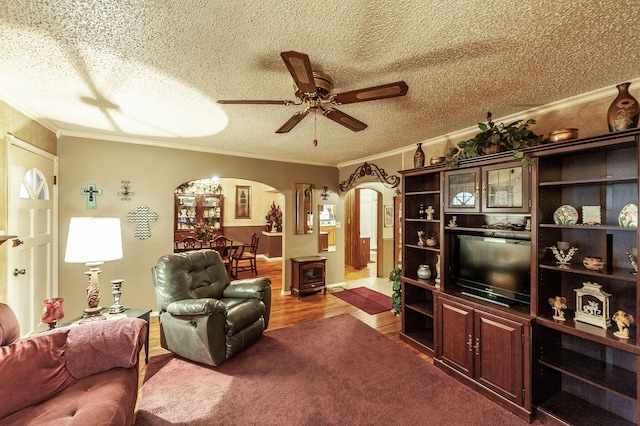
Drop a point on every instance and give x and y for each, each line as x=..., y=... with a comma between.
x=390, y=90
x=344, y=119
x=299, y=67
x=293, y=121
x=252, y=102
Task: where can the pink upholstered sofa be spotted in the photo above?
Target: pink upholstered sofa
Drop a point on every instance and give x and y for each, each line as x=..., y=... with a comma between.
x=77, y=375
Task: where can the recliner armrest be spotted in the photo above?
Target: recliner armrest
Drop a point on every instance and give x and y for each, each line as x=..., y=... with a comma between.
x=249, y=288
x=205, y=306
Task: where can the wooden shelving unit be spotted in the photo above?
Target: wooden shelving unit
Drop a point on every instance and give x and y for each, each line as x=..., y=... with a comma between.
x=585, y=374
x=573, y=372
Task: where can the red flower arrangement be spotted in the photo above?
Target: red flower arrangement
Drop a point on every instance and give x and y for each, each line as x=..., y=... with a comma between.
x=274, y=218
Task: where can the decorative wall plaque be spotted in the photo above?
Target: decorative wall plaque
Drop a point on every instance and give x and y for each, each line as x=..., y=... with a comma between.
x=592, y=305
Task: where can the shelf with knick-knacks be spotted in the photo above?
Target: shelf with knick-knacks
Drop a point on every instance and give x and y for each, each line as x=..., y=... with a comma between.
x=586, y=275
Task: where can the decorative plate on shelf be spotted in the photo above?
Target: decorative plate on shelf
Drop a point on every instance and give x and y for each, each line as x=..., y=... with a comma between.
x=565, y=215
x=629, y=216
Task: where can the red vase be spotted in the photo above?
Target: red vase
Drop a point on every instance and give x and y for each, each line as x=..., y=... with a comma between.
x=624, y=110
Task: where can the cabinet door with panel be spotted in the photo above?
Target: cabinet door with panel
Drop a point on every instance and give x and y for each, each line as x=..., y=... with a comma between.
x=498, y=350
x=485, y=347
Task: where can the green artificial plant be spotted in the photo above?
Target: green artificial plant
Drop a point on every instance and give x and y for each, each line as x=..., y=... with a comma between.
x=513, y=137
x=396, y=296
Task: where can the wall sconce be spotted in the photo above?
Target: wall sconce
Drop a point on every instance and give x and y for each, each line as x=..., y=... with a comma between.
x=325, y=193
x=125, y=193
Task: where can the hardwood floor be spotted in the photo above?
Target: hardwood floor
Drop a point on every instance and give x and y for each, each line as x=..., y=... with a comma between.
x=288, y=310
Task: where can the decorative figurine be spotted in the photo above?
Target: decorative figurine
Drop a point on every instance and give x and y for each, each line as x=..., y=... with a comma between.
x=431, y=242
x=421, y=238
x=430, y=212
x=623, y=320
x=421, y=211
x=563, y=258
x=452, y=222
x=592, y=305
x=633, y=258
x=558, y=303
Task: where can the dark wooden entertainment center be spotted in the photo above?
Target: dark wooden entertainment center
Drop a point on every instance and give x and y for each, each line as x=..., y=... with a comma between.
x=560, y=372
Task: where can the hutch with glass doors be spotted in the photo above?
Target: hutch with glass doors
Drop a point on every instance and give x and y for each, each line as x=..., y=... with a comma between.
x=507, y=309
x=194, y=209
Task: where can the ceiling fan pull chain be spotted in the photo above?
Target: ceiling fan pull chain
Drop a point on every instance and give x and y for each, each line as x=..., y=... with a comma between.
x=315, y=129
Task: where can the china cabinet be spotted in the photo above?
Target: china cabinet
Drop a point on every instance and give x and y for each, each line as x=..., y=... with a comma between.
x=192, y=209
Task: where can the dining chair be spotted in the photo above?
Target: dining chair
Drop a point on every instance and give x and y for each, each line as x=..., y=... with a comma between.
x=246, y=254
x=224, y=246
x=188, y=243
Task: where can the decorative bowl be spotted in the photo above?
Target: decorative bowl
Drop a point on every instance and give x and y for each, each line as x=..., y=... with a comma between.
x=563, y=135
x=593, y=263
x=436, y=160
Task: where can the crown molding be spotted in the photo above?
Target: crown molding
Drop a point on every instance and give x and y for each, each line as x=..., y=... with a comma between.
x=583, y=98
x=172, y=145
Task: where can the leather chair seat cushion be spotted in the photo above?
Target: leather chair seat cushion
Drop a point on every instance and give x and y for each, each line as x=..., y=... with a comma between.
x=242, y=312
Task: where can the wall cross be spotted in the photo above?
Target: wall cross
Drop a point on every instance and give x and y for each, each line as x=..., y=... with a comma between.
x=142, y=217
x=91, y=191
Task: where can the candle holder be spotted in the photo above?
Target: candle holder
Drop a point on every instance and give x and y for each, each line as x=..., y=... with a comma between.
x=563, y=253
x=52, y=311
x=116, y=308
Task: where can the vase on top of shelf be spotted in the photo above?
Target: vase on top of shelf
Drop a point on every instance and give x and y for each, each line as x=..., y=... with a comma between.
x=418, y=157
x=624, y=111
x=424, y=272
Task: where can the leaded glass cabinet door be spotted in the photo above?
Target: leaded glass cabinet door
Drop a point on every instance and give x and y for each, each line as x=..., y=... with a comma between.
x=462, y=191
x=505, y=188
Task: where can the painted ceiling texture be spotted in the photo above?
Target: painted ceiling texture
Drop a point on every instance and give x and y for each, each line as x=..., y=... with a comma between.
x=153, y=71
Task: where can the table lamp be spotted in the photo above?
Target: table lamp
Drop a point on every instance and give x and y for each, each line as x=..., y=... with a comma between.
x=93, y=241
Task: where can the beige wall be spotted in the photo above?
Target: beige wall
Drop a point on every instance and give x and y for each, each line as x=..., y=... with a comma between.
x=154, y=173
x=26, y=129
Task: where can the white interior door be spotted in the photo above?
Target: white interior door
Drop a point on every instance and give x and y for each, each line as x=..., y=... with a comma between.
x=32, y=217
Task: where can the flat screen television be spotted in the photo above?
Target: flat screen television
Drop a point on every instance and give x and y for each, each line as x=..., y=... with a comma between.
x=494, y=269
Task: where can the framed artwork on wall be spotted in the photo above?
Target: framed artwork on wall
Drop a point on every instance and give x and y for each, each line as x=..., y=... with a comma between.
x=243, y=202
x=388, y=216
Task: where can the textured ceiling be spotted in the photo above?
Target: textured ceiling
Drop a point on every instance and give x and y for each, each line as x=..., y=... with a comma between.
x=152, y=70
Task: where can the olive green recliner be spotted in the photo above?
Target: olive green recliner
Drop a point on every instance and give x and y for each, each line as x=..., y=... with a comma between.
x=203, y=316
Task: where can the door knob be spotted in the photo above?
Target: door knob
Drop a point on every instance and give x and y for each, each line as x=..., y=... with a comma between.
x=17, y=272
x=16, y=242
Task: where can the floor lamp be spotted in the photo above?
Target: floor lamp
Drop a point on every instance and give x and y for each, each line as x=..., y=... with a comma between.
x=93, y=241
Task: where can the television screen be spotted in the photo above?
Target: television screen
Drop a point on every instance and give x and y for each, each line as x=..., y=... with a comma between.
x=495, y=269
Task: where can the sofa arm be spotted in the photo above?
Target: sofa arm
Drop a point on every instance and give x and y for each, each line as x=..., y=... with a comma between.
x=250, y=288
x=103, y=345
x=205, y=306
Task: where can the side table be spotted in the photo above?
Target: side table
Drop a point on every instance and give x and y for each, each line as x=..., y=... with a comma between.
x=130, y=313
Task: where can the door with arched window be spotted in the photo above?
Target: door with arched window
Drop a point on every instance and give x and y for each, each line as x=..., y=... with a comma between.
x=32, y=256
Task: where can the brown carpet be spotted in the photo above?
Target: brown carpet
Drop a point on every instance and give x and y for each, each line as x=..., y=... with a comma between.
x=334, y=371
x=366, y=299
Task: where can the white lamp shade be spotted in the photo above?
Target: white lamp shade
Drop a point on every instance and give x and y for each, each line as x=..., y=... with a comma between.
x=93, y=239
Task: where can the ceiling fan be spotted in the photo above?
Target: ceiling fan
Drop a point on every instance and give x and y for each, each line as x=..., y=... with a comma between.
x=313, y=89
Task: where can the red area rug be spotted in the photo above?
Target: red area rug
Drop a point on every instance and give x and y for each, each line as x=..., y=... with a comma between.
x=366, y=299
x=334, y=371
